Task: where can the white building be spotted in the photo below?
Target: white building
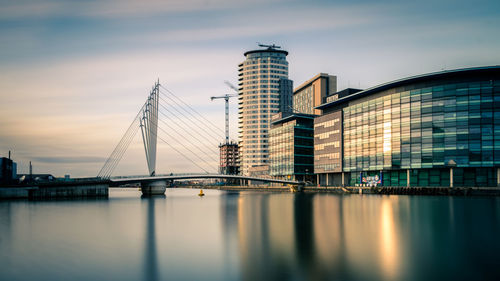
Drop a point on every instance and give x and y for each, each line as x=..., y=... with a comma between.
x=258, y=99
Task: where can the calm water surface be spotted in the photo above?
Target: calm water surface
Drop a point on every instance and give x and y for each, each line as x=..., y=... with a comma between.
x=251, y=236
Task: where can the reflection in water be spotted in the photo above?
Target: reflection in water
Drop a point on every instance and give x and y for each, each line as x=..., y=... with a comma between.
x=324, y=237
x=303, y=220
x=6, y=228
x=329, y=238
x=251, y=236
x=150, y=255
x=229, y=217
x=388, y=241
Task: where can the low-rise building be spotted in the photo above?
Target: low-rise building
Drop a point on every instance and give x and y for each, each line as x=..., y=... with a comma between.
x=291, y=147
x=436, y=129
x=228, y=158
x=8, y=170
x=328, y=142
x=313, y=93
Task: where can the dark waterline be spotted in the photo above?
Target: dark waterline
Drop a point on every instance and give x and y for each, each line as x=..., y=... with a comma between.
x=251, y=236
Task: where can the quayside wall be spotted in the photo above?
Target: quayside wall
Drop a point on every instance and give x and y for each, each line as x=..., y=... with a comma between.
x=58, y=190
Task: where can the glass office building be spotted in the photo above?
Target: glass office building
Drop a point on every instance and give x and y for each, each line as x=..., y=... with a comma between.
x=291, y=147
x=411, y=132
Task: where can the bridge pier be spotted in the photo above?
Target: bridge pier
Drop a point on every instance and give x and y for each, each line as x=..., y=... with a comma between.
x=154, y=187
x=297, y=187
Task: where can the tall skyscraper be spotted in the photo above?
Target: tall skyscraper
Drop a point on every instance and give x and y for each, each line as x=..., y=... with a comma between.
x=258, y=99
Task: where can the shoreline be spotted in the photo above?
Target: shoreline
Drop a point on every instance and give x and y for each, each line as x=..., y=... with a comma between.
x=439, y=191
x=93, y=191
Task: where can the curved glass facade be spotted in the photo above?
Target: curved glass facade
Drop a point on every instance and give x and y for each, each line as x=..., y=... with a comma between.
x=425, y=127
x=258, y=99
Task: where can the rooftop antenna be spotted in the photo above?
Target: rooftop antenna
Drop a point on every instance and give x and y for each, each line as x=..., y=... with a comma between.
x=269, y=47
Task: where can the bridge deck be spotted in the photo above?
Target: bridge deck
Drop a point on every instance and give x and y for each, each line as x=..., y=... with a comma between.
x=200, y=176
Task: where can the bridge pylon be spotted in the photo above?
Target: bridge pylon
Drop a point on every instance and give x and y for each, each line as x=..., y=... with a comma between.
x=147, y=120
x=149, y=127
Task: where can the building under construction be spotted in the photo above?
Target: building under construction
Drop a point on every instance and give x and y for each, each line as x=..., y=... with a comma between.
x=228, y=158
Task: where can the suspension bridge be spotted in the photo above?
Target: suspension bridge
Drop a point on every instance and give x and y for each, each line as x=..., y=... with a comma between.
x=165, y=116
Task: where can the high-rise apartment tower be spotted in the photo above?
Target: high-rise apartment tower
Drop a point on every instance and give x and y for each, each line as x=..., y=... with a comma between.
x=258, y=99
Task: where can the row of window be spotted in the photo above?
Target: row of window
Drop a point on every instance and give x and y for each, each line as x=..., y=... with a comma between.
x=421, y=129
x=327, y=124
x=430, y=177
x=250, y=71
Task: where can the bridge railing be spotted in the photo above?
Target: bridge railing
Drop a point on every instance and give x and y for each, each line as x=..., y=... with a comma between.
x=158, y=175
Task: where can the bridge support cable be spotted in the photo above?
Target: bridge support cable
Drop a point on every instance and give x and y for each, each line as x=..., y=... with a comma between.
x=211, y=157
x=183, y=145
x=182, y=154
x=192, y=109
x=189, y=159
x=147, y=121
x=121, y=152
x=188, y=130
x=188, y=126
x=120, y=148
x=207, y=130
x=144, y=120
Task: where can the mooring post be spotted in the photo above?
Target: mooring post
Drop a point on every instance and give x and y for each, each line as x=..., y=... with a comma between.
x=498, y=176
x=451, y=177
x=407, y=177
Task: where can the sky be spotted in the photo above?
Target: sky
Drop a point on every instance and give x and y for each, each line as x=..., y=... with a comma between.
x=73, y=74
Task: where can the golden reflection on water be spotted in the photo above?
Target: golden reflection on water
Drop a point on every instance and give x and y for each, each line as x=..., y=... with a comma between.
x=319, y=236
x=251, y=236
x=328, y=229
x=388, y=243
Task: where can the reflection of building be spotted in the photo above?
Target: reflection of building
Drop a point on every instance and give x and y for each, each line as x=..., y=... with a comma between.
x=259, y=97
x=313, y=93
x=291, y=147
x=228, y=157
x=414, y=130
x=267, y=238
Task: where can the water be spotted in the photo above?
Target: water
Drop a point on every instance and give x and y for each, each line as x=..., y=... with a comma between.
x=251, y=236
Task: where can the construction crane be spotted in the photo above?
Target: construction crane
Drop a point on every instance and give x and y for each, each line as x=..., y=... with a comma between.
x=226, y=98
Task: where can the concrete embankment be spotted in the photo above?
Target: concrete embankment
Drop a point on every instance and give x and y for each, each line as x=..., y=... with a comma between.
x=446, y=191
x=57, y=190
x=242, y=187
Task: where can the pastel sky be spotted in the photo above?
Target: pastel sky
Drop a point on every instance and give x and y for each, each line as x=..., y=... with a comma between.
x=73, y=74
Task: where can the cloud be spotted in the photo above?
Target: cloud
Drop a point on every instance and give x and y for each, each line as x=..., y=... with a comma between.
x=255, y=23
x=82, y=106
x=115, y=8
x=70, y=159
x=74, y=73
